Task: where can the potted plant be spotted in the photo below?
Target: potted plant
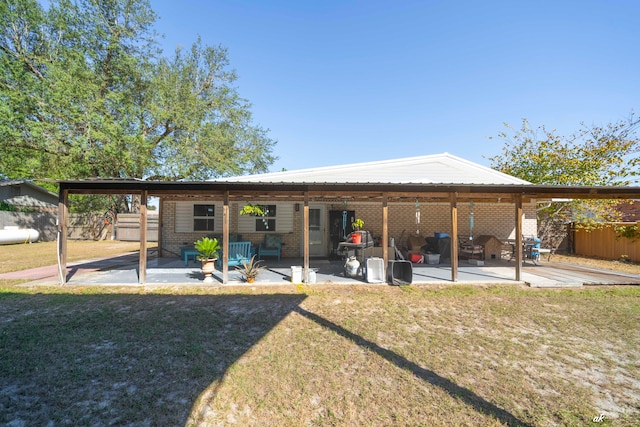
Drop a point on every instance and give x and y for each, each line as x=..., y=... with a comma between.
x=357, y=225
x=250, y=270
x=207, y=249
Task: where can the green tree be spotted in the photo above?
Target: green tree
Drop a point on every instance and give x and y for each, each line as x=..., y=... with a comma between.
x=593, y=156
x=86, y=92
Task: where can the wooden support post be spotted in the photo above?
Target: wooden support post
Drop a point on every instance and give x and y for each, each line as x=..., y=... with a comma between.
x=385, y=234
x=142, y=268
x=518, y=248
x=225, y=239
x=63, y=214
x=305, y=238
x=454, y=236
x=160, y=227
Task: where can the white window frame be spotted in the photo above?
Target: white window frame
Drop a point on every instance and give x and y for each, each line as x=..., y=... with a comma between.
x=185, y=218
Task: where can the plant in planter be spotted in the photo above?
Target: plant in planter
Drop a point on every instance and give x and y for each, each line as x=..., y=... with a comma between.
x=207, y=249
x=250, y=270
x=357, y=226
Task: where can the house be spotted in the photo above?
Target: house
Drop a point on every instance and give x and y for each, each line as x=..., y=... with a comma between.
x=419, y=195
x=24, y=194
x=331, y=215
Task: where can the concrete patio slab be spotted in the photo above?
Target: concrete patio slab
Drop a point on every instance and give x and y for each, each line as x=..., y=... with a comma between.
x=123, y=271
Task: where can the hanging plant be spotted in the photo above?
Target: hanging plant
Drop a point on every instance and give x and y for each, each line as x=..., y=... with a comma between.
x=254, y=210
x=257, y=211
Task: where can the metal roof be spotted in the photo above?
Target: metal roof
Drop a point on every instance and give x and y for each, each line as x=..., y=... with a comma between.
x=431, y=169
x=434, y=177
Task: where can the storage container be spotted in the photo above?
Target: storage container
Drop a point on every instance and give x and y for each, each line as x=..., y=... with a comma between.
x=400, y=272
x=375, y=270
x=296, y=274
x=311, y=277
x=416, y=258
x=433, y=258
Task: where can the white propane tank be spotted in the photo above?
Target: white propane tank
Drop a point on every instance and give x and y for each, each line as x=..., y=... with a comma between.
x=13, y=234
x=351, y=267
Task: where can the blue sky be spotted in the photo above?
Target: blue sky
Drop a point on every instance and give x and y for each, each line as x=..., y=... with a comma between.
x=350, y=81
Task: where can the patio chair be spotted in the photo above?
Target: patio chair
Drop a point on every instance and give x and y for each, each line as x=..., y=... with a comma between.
x=272, y=246
x=532, y=249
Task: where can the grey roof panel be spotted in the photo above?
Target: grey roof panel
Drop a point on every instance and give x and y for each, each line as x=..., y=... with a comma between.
x=431, y=169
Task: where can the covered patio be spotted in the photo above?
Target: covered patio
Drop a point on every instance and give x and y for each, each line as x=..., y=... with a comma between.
x=509, y=197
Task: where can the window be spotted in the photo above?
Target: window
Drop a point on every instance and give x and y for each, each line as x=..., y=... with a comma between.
x=204, y=217
x=279, y=219
x=267, y=222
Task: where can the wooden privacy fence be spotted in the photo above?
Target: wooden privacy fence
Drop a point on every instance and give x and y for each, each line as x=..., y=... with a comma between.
x=606, y=244
x=90, y=226
x=128, y=227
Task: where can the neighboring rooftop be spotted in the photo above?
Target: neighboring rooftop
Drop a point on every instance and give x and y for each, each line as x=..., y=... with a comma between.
x=430, y=169
x=21, y=192
x=630, y=211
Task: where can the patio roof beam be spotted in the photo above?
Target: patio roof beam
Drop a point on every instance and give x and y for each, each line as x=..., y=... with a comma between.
x=117, y=186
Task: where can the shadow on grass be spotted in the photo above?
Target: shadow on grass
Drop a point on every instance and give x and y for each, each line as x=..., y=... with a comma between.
x=123, y=359
x=454, y=390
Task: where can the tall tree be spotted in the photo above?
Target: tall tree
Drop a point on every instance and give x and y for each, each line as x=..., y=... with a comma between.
x=86, y=92
x=593, y=156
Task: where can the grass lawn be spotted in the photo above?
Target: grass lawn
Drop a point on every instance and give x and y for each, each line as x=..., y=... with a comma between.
x=314, y=355
x=291, y=356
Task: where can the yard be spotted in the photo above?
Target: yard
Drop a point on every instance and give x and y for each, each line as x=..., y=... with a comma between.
x=341, y=355
x=355, y=355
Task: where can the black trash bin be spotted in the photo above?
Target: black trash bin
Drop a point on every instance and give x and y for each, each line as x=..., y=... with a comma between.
x=400, y=272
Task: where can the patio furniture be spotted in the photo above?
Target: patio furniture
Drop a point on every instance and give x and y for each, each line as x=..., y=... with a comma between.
x=533, y=249
x=540, y=251
x=272, y=246
x=530, y=249
x=186, y=254
x=238, y=252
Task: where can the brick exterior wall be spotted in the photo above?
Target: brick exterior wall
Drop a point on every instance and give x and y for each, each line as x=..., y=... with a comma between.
x=172, y=241
x=491, y=219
